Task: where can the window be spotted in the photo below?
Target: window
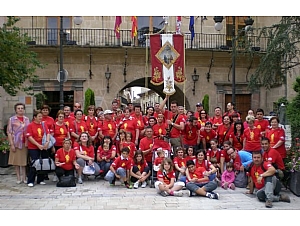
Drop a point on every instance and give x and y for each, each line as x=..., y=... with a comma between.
x=144, y=27
x=238, y=23
x=53, y=26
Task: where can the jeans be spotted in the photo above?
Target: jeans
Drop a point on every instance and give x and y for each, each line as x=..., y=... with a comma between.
x=105, y=166
x=35, y=154
x=270, y=191
x=209, y=186
x=110, y=176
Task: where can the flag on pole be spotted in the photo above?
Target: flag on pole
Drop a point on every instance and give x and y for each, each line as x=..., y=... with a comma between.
x=117, y=26
x=178, y=25
x=167, y=60
x=191, y=27
x=134, y=26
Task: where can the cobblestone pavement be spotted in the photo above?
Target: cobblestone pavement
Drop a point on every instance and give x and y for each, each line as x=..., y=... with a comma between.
x=96, y=194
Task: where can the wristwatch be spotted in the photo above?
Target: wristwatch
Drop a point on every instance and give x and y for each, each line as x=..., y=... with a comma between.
x=172, y=124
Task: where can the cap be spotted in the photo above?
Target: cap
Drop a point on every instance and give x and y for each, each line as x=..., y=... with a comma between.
x=199, y=105
x=107, y=112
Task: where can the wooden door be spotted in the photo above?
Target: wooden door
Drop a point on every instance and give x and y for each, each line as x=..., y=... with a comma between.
x=242, y=103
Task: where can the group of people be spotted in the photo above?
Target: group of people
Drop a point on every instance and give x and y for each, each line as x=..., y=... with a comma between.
x=205, y=151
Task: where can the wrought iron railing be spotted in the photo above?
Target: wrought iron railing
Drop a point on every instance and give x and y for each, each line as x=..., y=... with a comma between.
x=107, y=37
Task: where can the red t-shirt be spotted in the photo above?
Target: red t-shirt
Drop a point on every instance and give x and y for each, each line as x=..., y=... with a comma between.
x=187, y=158
x=198, y=173
x=214, y=154
x=273, y=156
x=274, y=136
x=224, y=155
x=190, y=135
x=108, y=128
x=223, y=133
x=36, y=131
x=174, y=133
x=158, y=160
x=108, y=154
x=131, y=147
x=60, y=132
x=140, y=166
x=69, y=120
x=208, y=135
x=170, y=175
x=140, y=123
x=205, y=164
x=78, y=128
x=145, y=144
x=84, y=150
x=256, y=171
x=129, y=125
x=91, y=124
x=216, y=121
x=159, y=129
x=252, y=137
x=66, y=157
x=237, y=141
x=122, y=162
x=263, y=125
x=181, y=162
x=48, y=120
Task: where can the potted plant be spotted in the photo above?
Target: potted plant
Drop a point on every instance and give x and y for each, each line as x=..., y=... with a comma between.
x=4, y=149
x=292, y=165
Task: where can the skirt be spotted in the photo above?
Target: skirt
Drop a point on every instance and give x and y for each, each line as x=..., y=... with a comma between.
x=19, y=157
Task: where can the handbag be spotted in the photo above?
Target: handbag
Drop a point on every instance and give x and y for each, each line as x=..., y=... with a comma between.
x=52, y=140
x=46, y=164
x=241, y=180
x=66, y=181
x=89, y=170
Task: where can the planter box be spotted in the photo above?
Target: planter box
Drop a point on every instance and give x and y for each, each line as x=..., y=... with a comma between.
x=295, y=183
x=4, y=159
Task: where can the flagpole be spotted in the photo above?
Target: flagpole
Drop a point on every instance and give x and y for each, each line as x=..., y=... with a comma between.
x=184, y=74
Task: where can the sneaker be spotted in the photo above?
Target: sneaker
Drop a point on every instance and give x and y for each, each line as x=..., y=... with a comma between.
x=144, y=184
x=55, y=178
x=127, y=185
x=284, y=198
x=163, y=193
x=269, y=204
x=216, y=196
x=42, y=183
x=30, y=185
x=178, y=193
x=112, y=184
x=19, y=182
x=101, y=171
x=80, y=180
x=186, y=193
x=136, y=185
x=213, y=195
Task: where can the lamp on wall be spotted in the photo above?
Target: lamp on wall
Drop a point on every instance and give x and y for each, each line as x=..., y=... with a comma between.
x=195, y=78
x=125, y=66
x=107, y=76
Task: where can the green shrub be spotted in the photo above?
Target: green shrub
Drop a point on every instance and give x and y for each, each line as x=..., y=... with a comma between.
x=89, y=99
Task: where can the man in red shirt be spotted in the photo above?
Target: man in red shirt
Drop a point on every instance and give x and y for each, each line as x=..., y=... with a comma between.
x=68, y=118
x=160, y=128
x=260, y=122
x=108, y=126
x=137, y=114
x=198, y=183
x=217, y=119
x=191, y=133
x=175, y=121
x=146, y=145
x=271, y=155
x=231, y=110
x=263, y=178
x=120, y=168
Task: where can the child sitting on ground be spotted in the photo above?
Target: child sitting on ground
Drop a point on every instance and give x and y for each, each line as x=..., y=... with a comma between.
x=228, y=177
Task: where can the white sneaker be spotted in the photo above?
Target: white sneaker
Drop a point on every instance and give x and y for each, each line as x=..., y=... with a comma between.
x=79, y=180
x=178, y=193
x=42, y=183
x=136, y=185
x=30, y=185
x=144, y=184
x=55, y=178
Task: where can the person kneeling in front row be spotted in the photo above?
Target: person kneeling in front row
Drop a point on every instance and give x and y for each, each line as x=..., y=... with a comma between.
x=198, y=183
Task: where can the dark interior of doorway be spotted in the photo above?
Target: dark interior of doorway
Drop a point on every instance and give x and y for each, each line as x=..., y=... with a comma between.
x=53, y=101
x=242, y=103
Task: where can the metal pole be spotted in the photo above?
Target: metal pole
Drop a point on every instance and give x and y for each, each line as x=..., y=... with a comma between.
x=233, y=60
x=61, y=67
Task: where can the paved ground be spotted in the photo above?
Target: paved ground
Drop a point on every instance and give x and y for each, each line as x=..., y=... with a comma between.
x=96, y=194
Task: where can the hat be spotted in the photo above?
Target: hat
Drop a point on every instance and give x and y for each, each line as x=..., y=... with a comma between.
x=107, y=112
x=199, y=105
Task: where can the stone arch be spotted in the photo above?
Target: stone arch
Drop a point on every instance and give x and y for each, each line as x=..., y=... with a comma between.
x=178, y=95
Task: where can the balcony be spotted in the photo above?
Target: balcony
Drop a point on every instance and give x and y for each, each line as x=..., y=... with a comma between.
x=107, y=38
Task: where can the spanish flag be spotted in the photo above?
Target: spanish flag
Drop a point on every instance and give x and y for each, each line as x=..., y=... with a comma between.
x=117, y=26
x=134, y=26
